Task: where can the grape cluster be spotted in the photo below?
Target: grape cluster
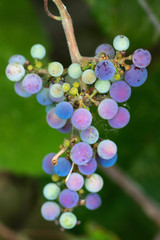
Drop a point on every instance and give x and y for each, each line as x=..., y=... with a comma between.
x=68, y=95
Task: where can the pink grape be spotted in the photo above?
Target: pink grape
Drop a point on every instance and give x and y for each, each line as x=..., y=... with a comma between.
x=81, y=153
x=141, y=58
x=20, y=90
x=32, y=83
x=120, y=91
x=66, y=128
x=75, y=182
x=121, y=119
x=81, y=119
x=93, y=201
x=68, y=198
x=107, y=149
x=90, y=135
x=89, y=167
x=50, y=211
x=108, y=108
x=54, y=121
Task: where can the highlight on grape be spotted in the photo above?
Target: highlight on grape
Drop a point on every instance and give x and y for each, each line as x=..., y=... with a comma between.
x=68, y=95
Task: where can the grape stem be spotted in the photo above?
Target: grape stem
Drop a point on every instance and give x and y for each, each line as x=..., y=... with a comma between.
x=55, y=158
x=69, y=172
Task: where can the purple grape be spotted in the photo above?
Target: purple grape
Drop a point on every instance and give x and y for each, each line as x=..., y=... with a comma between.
x=81, y=119
x=88, y=168
x=75, y=182
x=54, y=121
x=108, y=108
x=17, y=59
x=121, y=119
x=107, y=49
x=63, y=167
x=56, y=99
x=43, y=97
x=81, y=153
x=67, y=128
x=107, y=149
x=135, y=77
x=47, y=164
x=68, y=198
x=106, y=163
x=90, y=135
x=93, y=201
x=32, y=83
x=50, y=211
x=64, y=110
x=20, y=91
x=105, y=70
x=141, y=58
x=120, y=91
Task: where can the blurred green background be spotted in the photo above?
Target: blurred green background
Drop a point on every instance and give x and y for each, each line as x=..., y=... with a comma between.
x=25, y=138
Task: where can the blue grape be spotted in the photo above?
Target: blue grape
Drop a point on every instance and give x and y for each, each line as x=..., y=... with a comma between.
x=67, y=128
x=81, y=153
x=81, y=118
x=88, y=168
x=68, y=198
x=107, y=149
x=120, y=91
x=141, y=58
x=94, y=183
x=50, y=211
x=20, y=90
x=107, y=49
x=51, y=191
x=105, y=70
x=68, y=220
x=135, y=77
x=121, y=119
x=54, y=121
x=64, y=110
x=32, y=83
x=47, y=163
x=75, y=182
x=108, y=108
x=106, y=163
x=93, y=201
x=17, y=59
x=15, y=72
x=63, y=167
x=43, y=97
x=90, y=135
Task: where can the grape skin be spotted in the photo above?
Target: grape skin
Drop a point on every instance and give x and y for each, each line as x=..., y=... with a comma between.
x=15, y=72
x=93, y=201
x=105, y=70
x=120, y=91
x=81, y=153
x=81, y=119
x=66, y=128
x=107, y=49
x=47, y=163
x=68, y=198
x=53, y=120
x=63, y=167
x=75, y=182
x=121, y=119
x=107, y=149
x=121, y=43
x=55, y=90
x=20, y=90
x=108, y=108
x=32, y=83
x=51, y=191
x=38, y=51
x=17, y=59
x=68, y=220
x=90, y=135
x=88, y=76
x=141, y=58
x=88, y=168
x=94, y=183
x=43, y=97
x=102, y=86
x=64, y=110
x=55, y=69
x=50, y=211
x=106, y=163
x=75, y=71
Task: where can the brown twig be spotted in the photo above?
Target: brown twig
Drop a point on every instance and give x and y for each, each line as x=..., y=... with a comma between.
x=48, y=12
x=135, y=191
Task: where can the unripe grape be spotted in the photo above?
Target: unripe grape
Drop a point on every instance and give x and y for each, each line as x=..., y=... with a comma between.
x=94, y=183
x=121, y=43
x=107, y=149
x=102, y=86
x=38, y=51
x=17, y=59
x=66, y=87
x=55, y=69
x=88, y=76
x=75, y=71
x=51, y=191
x=15, y=72
x=55, y=90
x=68, y=220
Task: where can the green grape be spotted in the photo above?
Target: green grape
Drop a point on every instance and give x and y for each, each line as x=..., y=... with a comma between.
x=68, y=220
x=38, y=51
x=56, y=91
x=75, y=71
x=55, y=69
x=66, y=87
x=102, y=86
x=88, y=76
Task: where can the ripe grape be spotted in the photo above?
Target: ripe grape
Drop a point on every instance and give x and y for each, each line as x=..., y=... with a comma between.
x=105, y=70
x=108, y=108
x=90, y=135
x=102, y=86
x=55, y=90
x=94, y=183
x=141, y=58
x=32, y=83
x=75, y=71
x=63, y=167
x=47, y=163
x=17, y=59
x=81, y=119
x=68, y=220
x=50, y=211
x=64, y=110
x=68, y=198
x=89, y=167
x=121, y=119
x=81, y=153
x=93, y=201
x=20, y=90
x=135, y=77
x=38, y=51
x=51, y=191
x=121, y=43
x=88, y=76
x=55, y=69
x=43, y=97
x=66, y=128
x=75, y=182
x=15, y=72
x=107, y=49
x=53, y=120
x=120, y=91
x=107, y=149
x=106, y=163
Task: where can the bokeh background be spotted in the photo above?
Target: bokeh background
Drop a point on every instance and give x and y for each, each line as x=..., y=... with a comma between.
x=25, y=138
